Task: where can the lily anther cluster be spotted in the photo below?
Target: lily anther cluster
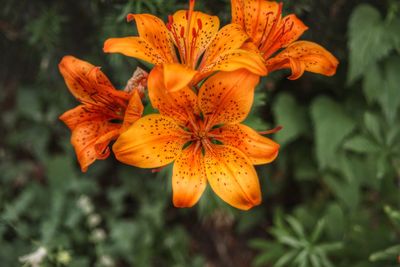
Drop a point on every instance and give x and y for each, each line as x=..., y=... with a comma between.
x=202, y=83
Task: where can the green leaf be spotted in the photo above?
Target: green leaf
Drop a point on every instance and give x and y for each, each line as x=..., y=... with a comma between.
x=347, y=192
x=291, y=116
x=331, y=126
x=368, y=41
x=393, y=214
x=296, y=226
x=393, y=30
x=274, y=252
x=335, y=221
x=387, y=254
x=361, y=144
x=318, y=231
x=329, y=247
x=286, y=258
x=315, y=261
x=372, y=83
x=390, y=99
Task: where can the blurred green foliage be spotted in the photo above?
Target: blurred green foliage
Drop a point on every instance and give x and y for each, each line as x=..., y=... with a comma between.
x=330, y=199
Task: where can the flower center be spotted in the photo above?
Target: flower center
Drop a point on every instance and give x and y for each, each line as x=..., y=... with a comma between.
x=186, y=36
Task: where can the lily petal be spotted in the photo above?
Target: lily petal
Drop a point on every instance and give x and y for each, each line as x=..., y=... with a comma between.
x=289, y=29
x=180, y=105
x=188, y=178
x=90, y=140
x=85, y=81
x=227, y=97
x=224, y=54
x=229, y=37
x=259, y=149
x=177, y=76
x=195, y=39
x=257, y=17
x=303, y=56
x=134, y=110
x=80, y=114
x=136, y=47
x=232, y=177
x=151, y=142
x=233, y=60
x=153, y=44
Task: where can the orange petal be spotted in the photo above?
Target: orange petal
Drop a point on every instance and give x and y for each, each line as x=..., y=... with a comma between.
x=86, y=81
x=78, y=115
x=229, y=37
x=237, y=12
x=224, y=54
x=259, y=149
x=227, y=97
x=136, y=47
x=236, y=59
x=153, y=44
x=151, y=142
x=304, y=56
x=180, y=105
x=154, y=31
x=188, y=177
x=134, y=110
x=232, y=177
x=90, y=140
x=290, y=28
x=196, y=37
x=177, y=76
x=257, y=17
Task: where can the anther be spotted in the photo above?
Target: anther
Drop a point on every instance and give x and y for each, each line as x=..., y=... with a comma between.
x=182, y=33
x=199, y=24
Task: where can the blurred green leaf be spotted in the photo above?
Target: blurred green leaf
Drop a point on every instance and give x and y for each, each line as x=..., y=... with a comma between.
x=331, y=126
x=361, y=144
x=290, y=116
x=391, y=253
x=390, y=100
x=368, y=40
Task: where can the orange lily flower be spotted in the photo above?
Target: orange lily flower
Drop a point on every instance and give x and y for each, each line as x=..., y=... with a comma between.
x=196, y=36
x=269, y=32
x=104, y=113
x=203, y=134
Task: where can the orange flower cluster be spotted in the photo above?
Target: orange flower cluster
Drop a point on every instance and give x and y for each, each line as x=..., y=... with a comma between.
x=202, y=84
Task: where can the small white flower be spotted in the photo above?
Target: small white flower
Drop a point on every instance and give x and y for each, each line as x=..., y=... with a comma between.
x=106, y=261
x=85, y=204
x=63, y=257
x=98, y=235
x=94, y=220
x=34, y=259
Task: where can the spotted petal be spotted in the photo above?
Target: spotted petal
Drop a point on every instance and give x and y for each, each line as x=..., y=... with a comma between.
x=188, y=177
x=227, y=97
x=153, y=44
x=304, y=56
x=259, y=149
x=90, y=141
x=180, y=105
x=232, y=177
x=193, y=37
x=151, y=142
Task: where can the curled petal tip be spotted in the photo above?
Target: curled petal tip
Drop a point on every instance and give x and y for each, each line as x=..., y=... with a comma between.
x=130, y=17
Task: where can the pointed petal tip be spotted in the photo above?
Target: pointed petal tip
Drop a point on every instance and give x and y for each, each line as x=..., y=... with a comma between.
x=107, y=44
x=130, y=17
x=178, y=203
x=84, y=169
x=250, y=205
